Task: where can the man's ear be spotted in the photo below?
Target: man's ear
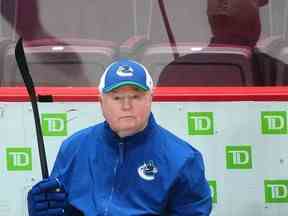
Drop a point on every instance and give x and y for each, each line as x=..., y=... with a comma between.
x=152, y=95
x=101, y=100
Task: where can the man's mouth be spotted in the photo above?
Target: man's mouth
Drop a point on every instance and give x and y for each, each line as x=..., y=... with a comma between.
x=127, y=117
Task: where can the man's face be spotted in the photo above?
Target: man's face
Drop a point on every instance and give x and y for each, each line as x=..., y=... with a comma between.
x=126, y=109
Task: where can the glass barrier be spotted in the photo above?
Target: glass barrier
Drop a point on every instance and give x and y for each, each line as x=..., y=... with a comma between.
x=182, y=43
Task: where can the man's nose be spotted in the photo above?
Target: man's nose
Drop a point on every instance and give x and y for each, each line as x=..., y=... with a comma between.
x=126, y=103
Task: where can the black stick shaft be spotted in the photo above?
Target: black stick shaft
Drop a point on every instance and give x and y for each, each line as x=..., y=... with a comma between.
x=23, y=67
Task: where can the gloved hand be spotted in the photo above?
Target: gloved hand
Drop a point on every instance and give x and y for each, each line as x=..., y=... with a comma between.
x=47, y=198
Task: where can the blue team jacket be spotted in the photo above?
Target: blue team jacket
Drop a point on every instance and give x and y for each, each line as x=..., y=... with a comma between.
x=139, y=175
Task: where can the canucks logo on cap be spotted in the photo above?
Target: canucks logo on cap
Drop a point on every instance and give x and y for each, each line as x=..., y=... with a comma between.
x=148, y=171
x=124, y=71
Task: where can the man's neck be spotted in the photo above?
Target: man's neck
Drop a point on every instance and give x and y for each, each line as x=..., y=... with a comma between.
x=127, y=133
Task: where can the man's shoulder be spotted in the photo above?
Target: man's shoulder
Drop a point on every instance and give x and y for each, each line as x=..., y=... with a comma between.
x=80, y=137
x=176, y=155
x=175, y=146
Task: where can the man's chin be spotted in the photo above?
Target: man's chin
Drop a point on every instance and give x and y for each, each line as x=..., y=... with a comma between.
x=126, y=133
x=127, y=123
x=127, y=130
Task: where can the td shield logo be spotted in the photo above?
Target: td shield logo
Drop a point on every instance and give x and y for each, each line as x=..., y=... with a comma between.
x=274, y=122
x=276, y=191
x=19, y=159
x=54, y=124
x=213, y=189
x=200, y=123
x=238, y=157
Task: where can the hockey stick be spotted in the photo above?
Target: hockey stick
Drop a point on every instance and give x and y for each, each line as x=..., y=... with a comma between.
x=24, y=70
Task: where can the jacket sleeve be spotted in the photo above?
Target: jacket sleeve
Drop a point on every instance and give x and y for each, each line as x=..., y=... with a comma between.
x=190, y=194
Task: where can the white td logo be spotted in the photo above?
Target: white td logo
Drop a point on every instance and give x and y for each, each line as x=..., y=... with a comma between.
x=19, y=159
x=54, y=124
x=238, y=157
x=213, y=189
x=276, y=191
x=274, y=122
x=200, y=123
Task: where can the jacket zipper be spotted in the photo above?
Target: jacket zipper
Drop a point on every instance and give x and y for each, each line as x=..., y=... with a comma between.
x=119, y=161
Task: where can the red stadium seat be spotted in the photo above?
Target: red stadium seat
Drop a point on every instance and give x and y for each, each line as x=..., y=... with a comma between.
x=70, y=62
x=200, y=65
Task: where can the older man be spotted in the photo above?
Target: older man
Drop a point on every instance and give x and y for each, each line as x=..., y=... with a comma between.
x=127, y=165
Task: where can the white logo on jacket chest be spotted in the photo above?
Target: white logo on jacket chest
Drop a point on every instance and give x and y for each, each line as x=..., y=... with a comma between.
x=148, y=171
